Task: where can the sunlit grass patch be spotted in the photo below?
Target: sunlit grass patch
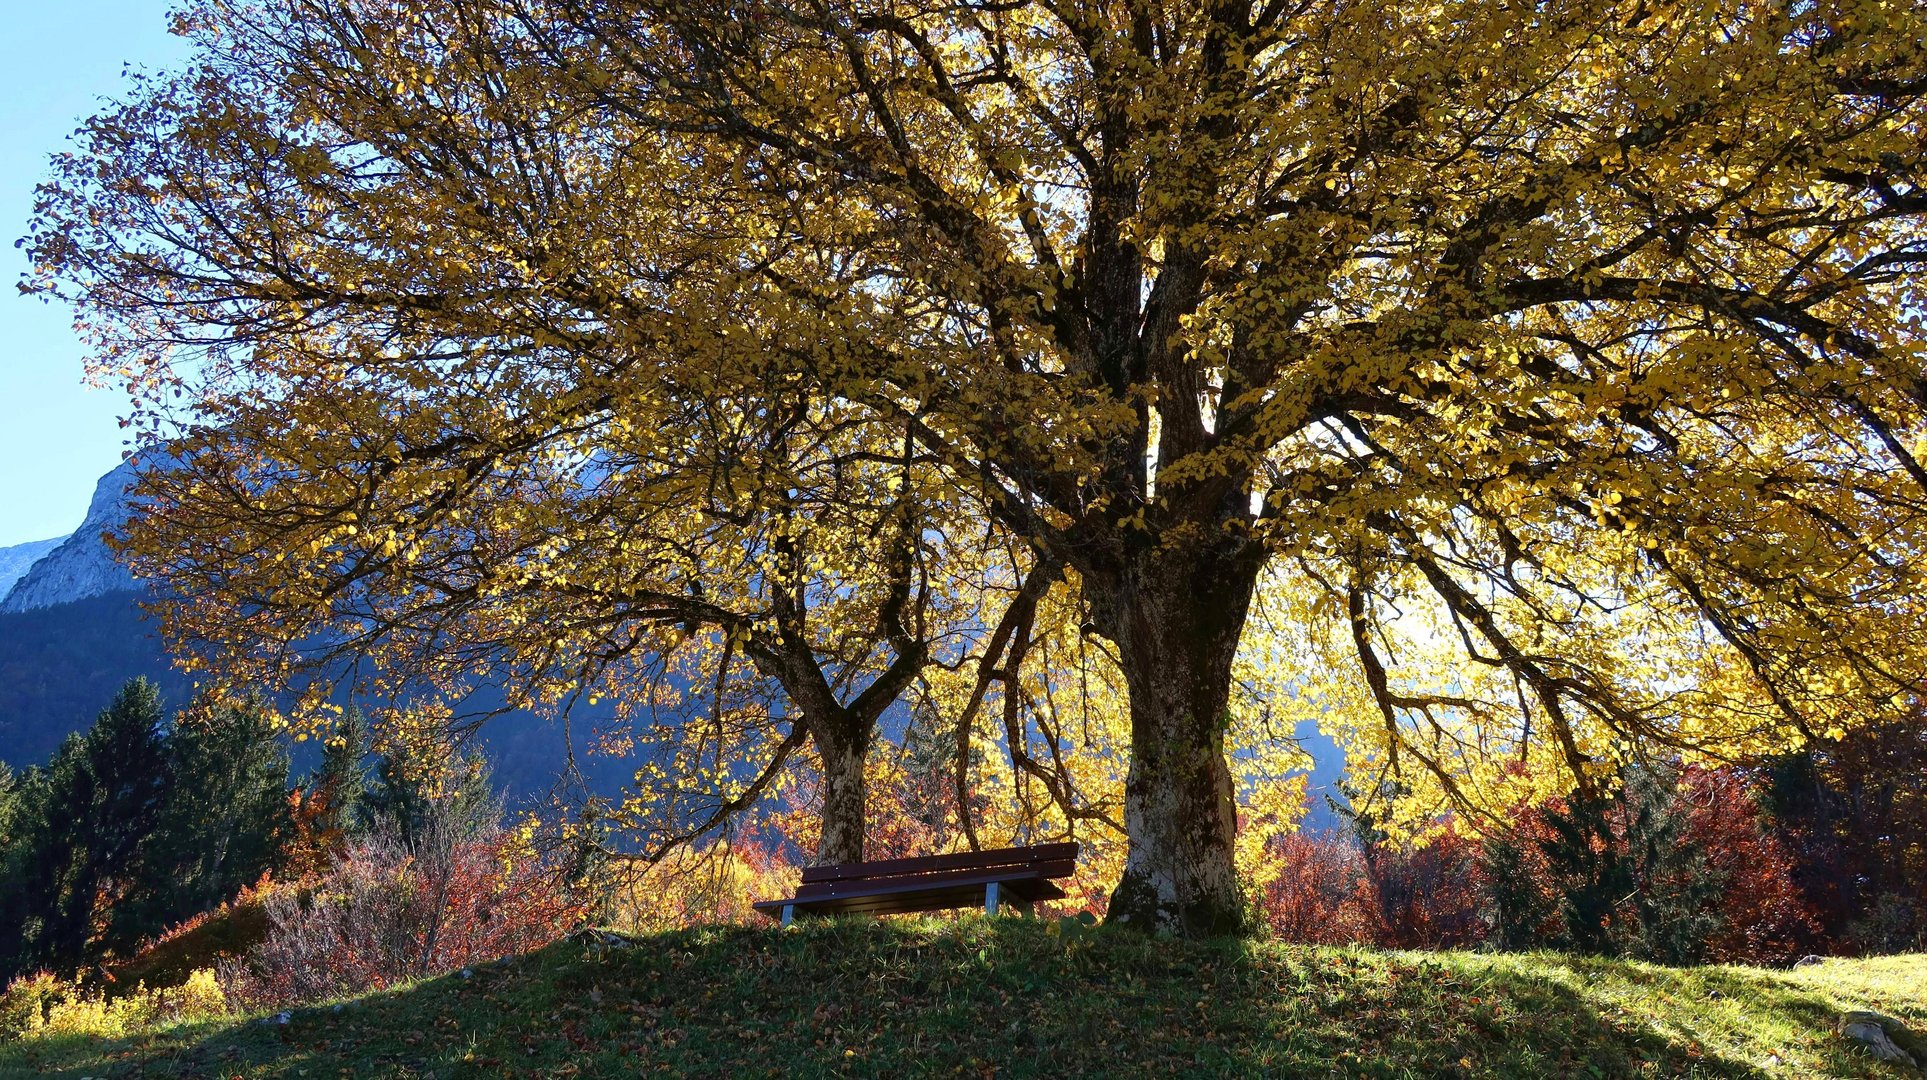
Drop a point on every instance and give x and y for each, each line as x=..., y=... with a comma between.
x=1027, y=998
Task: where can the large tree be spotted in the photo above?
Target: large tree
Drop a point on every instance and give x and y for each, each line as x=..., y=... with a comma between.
x=1553, y=369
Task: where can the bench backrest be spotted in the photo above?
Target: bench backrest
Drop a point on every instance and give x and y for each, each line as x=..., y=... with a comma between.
x=1020, y=858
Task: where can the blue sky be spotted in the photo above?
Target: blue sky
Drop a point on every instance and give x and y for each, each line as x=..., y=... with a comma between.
x=58, y=59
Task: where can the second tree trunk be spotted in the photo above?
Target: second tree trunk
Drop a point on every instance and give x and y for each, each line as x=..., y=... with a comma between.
x=844, y=745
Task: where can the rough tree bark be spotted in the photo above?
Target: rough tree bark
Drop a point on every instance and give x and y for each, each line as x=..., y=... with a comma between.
x=1176, y=617
x=843, y=742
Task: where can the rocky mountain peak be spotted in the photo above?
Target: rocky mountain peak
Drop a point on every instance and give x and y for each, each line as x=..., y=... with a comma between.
x=16, y=560
x=81, y=565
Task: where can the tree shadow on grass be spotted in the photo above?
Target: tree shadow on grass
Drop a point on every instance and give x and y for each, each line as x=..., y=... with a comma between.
x=1013, y=998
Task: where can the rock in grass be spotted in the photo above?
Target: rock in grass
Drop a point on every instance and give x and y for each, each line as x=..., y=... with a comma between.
x=1876, y=1033
x=598, y=940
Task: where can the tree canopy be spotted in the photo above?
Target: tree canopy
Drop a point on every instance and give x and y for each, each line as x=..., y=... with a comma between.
x=1544, y=379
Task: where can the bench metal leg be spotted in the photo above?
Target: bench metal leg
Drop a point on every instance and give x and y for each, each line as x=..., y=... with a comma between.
x=789, y=914
x=990, y=899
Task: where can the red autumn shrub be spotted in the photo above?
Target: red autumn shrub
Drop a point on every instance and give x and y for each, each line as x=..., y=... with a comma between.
x=1853, y=814
x=1460, y=889
x=1429, y=897
x=1764, y=918
x=1329, y=890
x=1721, y=887
x=1322, y=893
x=385, y=913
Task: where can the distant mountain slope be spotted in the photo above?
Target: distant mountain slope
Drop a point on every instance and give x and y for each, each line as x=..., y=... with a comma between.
x=60, y=665
x=15, y=560
x=80, y=566
x=1323, y=778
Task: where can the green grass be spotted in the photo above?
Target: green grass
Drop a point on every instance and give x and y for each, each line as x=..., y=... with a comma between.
x=1019, y=998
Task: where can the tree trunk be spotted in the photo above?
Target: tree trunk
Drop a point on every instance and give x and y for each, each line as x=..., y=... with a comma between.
x=1176, y=617
x=844, y=745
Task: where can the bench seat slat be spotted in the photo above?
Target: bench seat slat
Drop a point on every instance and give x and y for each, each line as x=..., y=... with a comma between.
x=907, y=903
x=910, y=902
x=1014, y=879
x=855, y=886
x=931, y=882
x=966, y=860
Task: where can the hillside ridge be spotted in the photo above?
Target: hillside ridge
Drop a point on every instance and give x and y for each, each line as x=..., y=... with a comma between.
x=1020, y=997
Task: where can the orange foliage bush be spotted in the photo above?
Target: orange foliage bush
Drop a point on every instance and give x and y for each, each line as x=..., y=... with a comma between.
x=1322, y=893
x=1764, y=918
x=315, y=837
x=383, y=915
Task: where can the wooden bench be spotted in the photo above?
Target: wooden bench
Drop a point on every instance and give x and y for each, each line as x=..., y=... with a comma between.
x=1018, y=877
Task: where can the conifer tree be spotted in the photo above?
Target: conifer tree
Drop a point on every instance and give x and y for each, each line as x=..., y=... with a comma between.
x=1588, y=868
x=88, y=822
x=29, y=872
x=226, y=817
x=1623, y=874
x=1519, y=911
x=9, y=798
x=120, y=790
x=1675, y=887
x=336, y=789
x=421, y=799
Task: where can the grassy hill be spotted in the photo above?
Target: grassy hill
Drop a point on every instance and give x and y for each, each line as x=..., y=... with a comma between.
x=1026, y=998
